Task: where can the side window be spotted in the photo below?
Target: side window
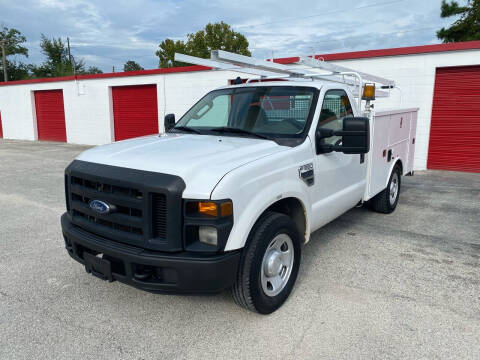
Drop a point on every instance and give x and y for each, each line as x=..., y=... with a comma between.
x=335, y=107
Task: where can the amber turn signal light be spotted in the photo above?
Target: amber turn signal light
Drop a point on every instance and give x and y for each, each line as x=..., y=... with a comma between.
x=226, y=209
x=214, y=209
x=208, y=208
x=368, y=92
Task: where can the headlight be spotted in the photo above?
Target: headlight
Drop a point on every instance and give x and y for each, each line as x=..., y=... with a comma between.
x=207, y=224
x=208, y=235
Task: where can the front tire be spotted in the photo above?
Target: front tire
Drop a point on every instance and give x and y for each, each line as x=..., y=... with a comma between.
x=386, y=201
x=269, y=264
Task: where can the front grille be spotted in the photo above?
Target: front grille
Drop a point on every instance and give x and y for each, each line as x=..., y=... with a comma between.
x=110, y=224
x=107, y=188
x=128, y=204
x=159, y=215
x=146, y=207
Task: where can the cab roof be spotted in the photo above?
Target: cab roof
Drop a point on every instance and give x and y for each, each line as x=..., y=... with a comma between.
x=289, y=82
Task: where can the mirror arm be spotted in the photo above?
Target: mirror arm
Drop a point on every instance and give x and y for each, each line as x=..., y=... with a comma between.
x=328, y=148
x=348, y=133
x=326, y=133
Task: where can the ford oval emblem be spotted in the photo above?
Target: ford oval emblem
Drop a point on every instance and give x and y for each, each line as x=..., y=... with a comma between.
x=100, y=206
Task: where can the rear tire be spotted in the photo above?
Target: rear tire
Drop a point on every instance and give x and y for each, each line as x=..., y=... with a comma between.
x=269, y=264
x=386, y=201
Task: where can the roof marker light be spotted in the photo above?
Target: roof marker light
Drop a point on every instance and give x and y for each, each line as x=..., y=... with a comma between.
x=368, y=92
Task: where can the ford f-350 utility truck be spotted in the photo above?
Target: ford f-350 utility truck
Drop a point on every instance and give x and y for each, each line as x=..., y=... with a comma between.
x=226, y=197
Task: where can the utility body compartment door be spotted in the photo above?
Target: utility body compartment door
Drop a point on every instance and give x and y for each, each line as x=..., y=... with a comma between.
x=340, y=179
x=392, y=139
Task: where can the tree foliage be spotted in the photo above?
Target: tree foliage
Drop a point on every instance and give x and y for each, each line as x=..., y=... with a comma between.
x=94, y=70
x=16, y=70
x=58, y=62
x=131, y=65
x=218, y=36
x=167, y=51
x=14, y=39
x=467, y=27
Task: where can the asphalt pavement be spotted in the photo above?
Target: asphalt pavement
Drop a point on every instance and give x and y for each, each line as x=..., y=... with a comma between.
x=371, y=286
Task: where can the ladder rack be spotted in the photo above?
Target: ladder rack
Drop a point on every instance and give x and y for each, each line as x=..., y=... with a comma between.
x=306, y=68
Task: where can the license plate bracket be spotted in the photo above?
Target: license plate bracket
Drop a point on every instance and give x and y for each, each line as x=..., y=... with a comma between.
x=95, y=265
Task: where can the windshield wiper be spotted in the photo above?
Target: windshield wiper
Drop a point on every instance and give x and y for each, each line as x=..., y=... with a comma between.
x=232, y=130
x=186, y=129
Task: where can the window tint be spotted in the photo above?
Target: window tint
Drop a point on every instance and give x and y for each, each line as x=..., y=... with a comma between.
x=283, y=114
x=278, y=108
x=213, y=113
x=336, y=106
x=274, y=111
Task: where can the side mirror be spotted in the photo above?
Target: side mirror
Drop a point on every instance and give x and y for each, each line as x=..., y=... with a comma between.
x=169, y=122
x=355, y=137
x=358, y=142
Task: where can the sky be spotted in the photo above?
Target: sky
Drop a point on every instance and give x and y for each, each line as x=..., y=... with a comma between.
x=108, y=33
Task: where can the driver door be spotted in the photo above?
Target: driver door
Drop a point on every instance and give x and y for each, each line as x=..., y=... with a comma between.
x=339, y=178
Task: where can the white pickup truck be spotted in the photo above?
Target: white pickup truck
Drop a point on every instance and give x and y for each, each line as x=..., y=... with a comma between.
x=226, y=197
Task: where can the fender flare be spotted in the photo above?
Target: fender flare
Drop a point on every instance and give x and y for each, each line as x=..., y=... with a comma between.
x=394, y=163
x=261, y=202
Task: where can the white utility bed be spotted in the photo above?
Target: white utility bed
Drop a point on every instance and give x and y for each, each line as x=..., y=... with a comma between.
x=392, y=136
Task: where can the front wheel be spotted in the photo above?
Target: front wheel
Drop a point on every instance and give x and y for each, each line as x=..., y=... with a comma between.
x=269, y=264
x=386, y=201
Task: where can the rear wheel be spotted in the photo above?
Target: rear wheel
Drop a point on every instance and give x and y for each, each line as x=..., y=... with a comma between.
x=269, y=264
x=386, y=201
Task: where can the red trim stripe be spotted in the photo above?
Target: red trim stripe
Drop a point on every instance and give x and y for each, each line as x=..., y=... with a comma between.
x=1, y=129
x=110, y=75
x=411, y=50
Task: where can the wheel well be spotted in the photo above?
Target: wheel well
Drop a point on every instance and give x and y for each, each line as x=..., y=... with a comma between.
x=399, y=163
x=293, y=208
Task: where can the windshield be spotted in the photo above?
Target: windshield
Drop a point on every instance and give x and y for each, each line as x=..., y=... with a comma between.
x=269, y=112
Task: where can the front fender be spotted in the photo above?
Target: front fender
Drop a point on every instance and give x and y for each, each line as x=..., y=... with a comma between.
x=257, y=185
x=247, y=210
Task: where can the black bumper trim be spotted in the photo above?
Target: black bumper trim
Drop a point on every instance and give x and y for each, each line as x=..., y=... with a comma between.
x=172, y=273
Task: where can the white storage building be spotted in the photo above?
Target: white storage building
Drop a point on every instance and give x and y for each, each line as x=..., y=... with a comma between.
x=442, y=80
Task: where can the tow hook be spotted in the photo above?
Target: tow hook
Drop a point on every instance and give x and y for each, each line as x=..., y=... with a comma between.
x=143, y=273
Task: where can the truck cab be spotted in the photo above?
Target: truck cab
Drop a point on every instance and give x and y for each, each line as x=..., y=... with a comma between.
x=227, y=195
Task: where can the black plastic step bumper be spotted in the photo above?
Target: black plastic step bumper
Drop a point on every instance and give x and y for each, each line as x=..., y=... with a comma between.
x=149, y=270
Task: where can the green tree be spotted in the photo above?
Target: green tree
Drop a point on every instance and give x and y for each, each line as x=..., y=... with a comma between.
x=13, y=46
x=218, y=36
x=58, y=62
x=167, y=51
x=16, y=71
x=13, y=41
x=467, y=27
x=131, y=65
x=94, y=70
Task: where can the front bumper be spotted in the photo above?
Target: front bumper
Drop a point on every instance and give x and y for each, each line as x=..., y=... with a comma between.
x=150, y=270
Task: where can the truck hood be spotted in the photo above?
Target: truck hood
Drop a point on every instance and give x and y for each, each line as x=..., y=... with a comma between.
x=200, y=160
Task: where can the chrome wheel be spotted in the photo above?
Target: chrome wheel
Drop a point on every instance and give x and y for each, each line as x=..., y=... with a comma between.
x=277, y=264
x=393, y=188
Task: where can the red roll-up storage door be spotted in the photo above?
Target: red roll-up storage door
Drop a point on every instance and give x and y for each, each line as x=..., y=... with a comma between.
x=455, y=127
x=135, y=111
x=50, y=115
